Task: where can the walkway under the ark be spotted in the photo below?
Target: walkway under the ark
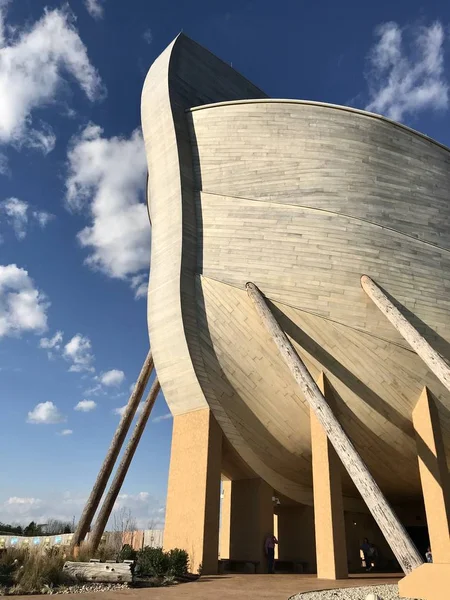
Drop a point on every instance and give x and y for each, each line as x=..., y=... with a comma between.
x=231, y=587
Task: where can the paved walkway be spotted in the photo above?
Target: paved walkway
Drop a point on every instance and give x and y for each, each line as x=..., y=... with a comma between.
x=228, y=587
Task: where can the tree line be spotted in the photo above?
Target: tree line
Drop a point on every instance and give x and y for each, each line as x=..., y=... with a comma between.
x=52, y=527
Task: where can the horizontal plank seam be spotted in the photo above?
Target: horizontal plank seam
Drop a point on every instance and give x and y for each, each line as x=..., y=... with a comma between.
x=340, y=107
x=324, y=210
x=310, y=312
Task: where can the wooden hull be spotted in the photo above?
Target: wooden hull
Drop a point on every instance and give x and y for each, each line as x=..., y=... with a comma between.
x=302, y=199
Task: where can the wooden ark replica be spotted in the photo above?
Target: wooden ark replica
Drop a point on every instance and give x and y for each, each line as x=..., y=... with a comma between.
x=299, y=200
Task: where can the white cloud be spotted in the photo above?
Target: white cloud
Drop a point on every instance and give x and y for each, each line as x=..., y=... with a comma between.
x=42, y=217
x=94, y=390
x=3, y=4
x=139, y=283
x=43, y=139
x=107, y=180
x=45, y=413
x=22, y=306
x=94, y=8
x=64, y=506
x=148, y=36
x=112, y=378
x=22, y=501
x=85, y=405
x=78, y=352
x=54, y=342
x=33, y=66
x=407, y=78
x=65, y=432
x=4, y=167
x=143, y=507
x=162, y=418
x=16, y=212
x=121, y=409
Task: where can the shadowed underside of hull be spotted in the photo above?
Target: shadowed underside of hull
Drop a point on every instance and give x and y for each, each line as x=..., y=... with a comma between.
x=302, y=199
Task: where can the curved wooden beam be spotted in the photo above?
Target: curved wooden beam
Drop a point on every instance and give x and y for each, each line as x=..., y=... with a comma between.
x=392, y=529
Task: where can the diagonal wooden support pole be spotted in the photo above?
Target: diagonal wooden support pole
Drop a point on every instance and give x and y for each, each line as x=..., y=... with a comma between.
x=122, y=469
x=431, y=358
x=113, y=452
x=392, y=529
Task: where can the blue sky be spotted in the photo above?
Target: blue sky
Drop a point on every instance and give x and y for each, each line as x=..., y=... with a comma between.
x=74, y=235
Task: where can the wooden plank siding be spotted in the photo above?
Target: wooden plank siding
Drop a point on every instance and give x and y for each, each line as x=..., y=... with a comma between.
x=302, y=199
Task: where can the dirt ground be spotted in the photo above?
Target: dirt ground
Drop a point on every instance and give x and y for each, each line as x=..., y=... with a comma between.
x=227, y=587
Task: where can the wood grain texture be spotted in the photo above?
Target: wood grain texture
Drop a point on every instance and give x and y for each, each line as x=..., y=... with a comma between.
x=113, y=452
x=122, y=470
x=98, y=572
x=427, y=353
x=394, y=532
x=184, y=75
x=301, y=198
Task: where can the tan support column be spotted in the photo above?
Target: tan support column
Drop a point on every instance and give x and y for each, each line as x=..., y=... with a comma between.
x=434, y=475
x=225, y=520
x=193, y=496
x=331, y=548
x=296, y=536
x=251, y=520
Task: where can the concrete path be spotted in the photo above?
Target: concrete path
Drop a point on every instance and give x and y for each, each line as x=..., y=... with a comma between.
x=228, y=587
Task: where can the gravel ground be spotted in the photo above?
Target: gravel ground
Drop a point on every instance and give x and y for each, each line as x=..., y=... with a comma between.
x=385, y=592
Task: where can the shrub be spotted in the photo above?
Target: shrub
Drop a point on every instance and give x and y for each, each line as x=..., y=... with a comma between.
x=7, y=568
x=40, y=570
x=178, y=562
x=104, y=552
x=152, y=562
x=107, y=552
x=27, y=571
x=127, y=553
x=10, y=563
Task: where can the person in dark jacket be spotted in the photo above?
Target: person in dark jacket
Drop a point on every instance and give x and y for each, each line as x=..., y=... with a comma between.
x=269, y=548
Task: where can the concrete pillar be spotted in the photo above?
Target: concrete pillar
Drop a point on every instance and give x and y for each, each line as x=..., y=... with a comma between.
x=225, y=520
x=296, y=535
x=251, y=520
x=331, y=548
x=434, y=475
x=193, y=496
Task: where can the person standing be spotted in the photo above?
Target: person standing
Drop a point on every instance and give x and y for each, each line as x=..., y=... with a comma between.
x=269, y=548
x=429, y=556
x=365, y=549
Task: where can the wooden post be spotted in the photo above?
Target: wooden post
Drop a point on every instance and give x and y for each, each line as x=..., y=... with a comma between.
x=431, y=358
x=392, y=529
x=113, y=452
x=122, y=470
